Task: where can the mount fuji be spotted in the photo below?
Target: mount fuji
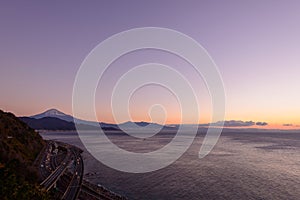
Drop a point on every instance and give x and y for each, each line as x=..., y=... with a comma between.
x=54, y=113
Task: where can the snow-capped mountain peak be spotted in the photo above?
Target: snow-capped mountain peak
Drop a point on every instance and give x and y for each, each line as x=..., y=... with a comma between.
x=54, y=113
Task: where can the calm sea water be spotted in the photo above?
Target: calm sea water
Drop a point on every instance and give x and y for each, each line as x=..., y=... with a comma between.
x=243, y=165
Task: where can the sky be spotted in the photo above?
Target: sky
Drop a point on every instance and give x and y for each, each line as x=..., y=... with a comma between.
x=255, y=45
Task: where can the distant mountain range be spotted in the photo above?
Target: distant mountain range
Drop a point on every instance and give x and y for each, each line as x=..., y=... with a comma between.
x=54, y=113
x=54, y=119
x=140, y=125
x=52, y=123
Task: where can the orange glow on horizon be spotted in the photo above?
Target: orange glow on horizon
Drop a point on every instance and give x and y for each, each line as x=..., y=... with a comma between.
x=274, y=122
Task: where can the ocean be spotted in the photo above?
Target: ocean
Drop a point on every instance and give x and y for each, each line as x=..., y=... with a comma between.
x=243, y=165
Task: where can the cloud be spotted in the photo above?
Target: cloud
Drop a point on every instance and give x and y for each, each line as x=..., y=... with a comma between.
x=287, y=124
x=236, y=123
x=261, y=123
x=233, y=123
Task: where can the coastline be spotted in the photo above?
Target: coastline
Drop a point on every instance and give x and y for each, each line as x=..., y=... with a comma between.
x=58, y=186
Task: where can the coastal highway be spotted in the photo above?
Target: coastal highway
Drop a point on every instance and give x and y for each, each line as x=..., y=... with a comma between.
x=73, y=188
x=94, y=194
x=49, y=182
x=62, y=169
x=72, y=162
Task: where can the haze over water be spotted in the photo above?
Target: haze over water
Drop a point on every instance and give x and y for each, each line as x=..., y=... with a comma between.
x=243, y=165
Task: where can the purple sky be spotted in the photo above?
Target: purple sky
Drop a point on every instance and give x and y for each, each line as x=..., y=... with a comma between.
x=255, y=44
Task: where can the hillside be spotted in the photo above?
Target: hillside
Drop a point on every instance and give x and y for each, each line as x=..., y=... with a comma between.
x=19, y=146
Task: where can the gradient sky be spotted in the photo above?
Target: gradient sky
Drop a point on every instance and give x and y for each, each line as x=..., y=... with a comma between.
x=255, y=44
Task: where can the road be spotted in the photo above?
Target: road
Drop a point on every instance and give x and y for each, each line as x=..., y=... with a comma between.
x=73, y=189
x=62, y=168
x=56, y=171
x=52, y=167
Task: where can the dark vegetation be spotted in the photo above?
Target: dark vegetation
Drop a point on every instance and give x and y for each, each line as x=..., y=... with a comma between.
x=19, y=146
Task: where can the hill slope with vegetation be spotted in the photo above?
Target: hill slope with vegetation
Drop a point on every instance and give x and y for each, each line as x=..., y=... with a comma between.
x=19, y=146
